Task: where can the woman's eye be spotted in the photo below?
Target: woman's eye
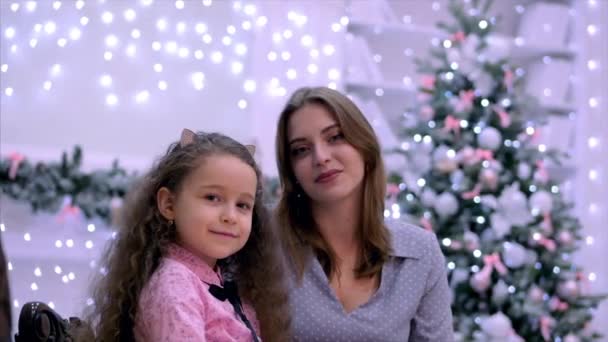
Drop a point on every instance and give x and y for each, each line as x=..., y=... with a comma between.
x=298, y=151
x=336, y=137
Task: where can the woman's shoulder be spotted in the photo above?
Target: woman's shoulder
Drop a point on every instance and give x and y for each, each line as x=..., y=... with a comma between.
x=408, y=240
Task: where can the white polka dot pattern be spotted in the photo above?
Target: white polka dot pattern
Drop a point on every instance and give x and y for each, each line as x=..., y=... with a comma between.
x=411, y=304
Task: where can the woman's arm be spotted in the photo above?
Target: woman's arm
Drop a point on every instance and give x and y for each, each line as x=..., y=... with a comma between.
x=433, y=319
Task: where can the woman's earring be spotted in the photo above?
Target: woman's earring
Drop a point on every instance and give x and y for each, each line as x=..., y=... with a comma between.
x=170, y=223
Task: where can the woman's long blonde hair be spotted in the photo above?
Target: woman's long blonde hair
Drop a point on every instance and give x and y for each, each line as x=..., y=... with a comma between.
x=294, y=216
x=145, y=234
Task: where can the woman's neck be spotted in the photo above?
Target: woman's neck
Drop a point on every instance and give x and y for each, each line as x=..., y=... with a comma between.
x=338, y=223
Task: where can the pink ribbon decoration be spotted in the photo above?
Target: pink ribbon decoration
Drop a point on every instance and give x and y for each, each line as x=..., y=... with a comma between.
x=555, y=304
x=426, y=224
x=584, y=282
x=68, y=211
x=392, y=190
x=459, y=37
x=547, y=224
x=456, y=245
x=547, y=243
x=451, y=124
x=503, y=116
x=16, y=159
x=471, y=194
x=468, y=96
x=535, y=136
x=427, y=82
x=493, y=261
x=427, y=112
x=482, y=154
x=545, y=327
x=465, y=100
x=508, y=80
x=542, y=170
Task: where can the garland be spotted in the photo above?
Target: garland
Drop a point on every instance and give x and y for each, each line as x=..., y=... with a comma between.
x=62, y=187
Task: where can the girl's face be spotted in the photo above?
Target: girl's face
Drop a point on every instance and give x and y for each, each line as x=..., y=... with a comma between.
x=213, y=209
x=328, y=168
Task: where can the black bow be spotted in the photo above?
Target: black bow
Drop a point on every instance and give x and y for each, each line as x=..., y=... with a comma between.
x=230, y=292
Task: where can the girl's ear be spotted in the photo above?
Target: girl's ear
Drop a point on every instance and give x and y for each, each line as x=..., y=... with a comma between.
x=165, y=201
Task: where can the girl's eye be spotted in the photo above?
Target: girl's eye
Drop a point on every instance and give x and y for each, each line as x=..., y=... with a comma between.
x=245, y=206
x=212, y=198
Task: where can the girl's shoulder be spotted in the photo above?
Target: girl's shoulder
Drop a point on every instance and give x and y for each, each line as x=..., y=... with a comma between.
x=171, y=278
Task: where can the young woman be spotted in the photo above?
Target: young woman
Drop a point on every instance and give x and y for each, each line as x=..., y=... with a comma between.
x=355, y=277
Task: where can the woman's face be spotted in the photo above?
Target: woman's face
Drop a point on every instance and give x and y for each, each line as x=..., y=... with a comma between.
x=327, y=167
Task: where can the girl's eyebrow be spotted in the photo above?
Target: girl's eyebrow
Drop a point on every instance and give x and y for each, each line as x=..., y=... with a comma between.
x=295, y=140
x=220, y=187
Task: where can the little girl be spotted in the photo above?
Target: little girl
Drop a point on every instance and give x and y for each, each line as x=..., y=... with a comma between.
x=195, y=240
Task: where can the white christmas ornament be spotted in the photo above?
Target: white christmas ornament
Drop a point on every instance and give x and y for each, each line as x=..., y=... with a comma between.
x=446, y=205
x=489, y=138
x=513, y=254
x=480, y=282
x=428, y=197
x=571, y=338
x=444, y=160
x=536, y=294
x=465, y=56
x=458, y=276
x=484, y=82
x=524, y=171
x=419, y=161
x=467, y=157
x=531, y=257
x=457, y=178
x=499, y=48
x=513, y=206
x=489, y=178
x=500, y=226
x=565, y=237
x=497, y=326
x=541, y=201
x=471, y=241
x=500, y=292
x=568, y=289
x=489, y=201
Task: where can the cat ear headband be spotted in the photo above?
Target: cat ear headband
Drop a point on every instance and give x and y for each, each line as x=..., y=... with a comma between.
x=188, y=137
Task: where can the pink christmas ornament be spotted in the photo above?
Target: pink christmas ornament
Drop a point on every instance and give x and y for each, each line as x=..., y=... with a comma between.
x=451, y=124
x=480, y=282
x=459, y=37
x=503, y=116
x=427, y=82
x=489, y=178
x=427, y=113
x=16, y=159
x=565, y=238
x=536, y=294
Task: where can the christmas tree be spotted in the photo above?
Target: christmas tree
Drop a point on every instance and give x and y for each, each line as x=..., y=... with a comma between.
x=478, y=177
